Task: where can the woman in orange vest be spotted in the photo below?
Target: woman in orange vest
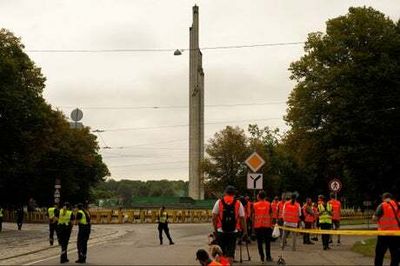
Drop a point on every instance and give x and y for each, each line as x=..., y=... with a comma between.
x=291, y=218
x=262, y=220
x=309, y=217
x=204, y=259
x=274, y=207
x=216, y=253
x=387, y=215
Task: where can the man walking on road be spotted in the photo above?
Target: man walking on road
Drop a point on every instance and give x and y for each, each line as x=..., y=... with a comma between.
x=262, y=218
x=325, y=219
x=387, y=215
x=163, y=226
x=51, y=214
x=228, y=219
x=64, y=228
x=83, y=221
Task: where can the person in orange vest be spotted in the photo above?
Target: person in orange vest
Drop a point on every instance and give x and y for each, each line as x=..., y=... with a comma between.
x=336, y=209
x=248, y=210
x=274, y=207
x=216, y=253
x=387, y=215
x=262, y=217
x=228, y=219
x=291, y=218
x=315, y=224
x=281, y=204
x=204, y=259
x=309, y=218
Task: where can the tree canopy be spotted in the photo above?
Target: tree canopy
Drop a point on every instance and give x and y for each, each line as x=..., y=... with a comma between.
x=344, y=110
x=36, y=143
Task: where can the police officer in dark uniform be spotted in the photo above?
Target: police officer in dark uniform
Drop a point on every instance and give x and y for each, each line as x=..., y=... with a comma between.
x=52, y=212
x=163, y=225
x=64, y=227
x=83, y=221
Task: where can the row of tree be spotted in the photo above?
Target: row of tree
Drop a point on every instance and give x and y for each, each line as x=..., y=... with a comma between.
x=37, y=144
x=343, y=114
x=126, y=190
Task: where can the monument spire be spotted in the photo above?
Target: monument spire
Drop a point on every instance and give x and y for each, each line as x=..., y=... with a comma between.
x=196, y=111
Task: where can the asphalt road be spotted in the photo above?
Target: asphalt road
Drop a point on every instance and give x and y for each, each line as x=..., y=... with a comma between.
x=137, y=244
x=141, y=247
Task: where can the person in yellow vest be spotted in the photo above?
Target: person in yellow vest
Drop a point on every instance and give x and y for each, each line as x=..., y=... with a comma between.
x=65, y=219
x=51, y=214
x=163, y=226
x=387, y=215
x=83, y=221
x=325, y=219
x=1, y=218
x=262, y=223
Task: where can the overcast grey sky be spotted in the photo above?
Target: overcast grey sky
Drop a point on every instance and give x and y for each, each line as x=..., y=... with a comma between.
x=143, y=147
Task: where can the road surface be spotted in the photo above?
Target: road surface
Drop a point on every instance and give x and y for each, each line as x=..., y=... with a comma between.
x=137, y=244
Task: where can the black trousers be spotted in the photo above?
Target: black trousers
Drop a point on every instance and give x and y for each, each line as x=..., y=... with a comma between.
x=163, y=227
x=227, y=242
x=325, y=238
x=264, y=235
x=64, y=233
x=19, y=224
x=382, y=245
x=83, y=237
x=52, y=229
x=1, y=223
x=306, y=237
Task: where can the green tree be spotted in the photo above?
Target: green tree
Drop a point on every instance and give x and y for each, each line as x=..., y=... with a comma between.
x=224, y=163
x=345, y=108
x=36, y=143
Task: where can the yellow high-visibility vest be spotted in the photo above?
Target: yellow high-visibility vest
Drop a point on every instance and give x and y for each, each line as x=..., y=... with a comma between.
x=65, y=217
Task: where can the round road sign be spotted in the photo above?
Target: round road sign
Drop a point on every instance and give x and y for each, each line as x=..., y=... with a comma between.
x=335, y=185
x=76, y=115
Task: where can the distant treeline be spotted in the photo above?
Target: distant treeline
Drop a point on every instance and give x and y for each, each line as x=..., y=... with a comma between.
x=127, y=189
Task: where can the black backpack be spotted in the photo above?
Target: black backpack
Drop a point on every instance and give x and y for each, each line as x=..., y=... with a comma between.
x=228, y=217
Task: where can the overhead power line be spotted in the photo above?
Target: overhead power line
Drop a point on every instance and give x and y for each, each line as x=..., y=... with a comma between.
x=133, y=50
x=186, y=125
x=171, y=106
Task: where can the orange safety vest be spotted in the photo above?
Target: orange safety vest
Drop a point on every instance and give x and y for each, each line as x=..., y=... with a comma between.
x=388, y=220
x=274, y=206
x=316, y=213
x=224, y=261
x=262, y=214
x=291, y=213
x=336, y=206
x=228, y=200
x=214, y=263
x=280, y=209
x=308, y=217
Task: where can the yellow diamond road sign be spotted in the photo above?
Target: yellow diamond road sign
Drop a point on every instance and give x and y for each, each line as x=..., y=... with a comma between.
x=255, y=162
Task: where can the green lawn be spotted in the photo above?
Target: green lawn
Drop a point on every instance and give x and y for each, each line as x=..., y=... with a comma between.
x=365, y=247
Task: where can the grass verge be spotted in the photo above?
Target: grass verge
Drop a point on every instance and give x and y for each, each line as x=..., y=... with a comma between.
x=365, y=247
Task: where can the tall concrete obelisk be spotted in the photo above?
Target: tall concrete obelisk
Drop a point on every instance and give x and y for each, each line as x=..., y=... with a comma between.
x=196, y=112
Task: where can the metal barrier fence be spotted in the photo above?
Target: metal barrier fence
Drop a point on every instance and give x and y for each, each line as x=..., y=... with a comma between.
x=125, y=216
x=149, y=215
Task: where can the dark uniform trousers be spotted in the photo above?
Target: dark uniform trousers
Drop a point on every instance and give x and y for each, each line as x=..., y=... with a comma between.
x=64, y=233
x=325, y=238
x=264, y=235
x=163, y=227
x=83, y=237
x=382, y=245
x=306, y=237
x=52, y=229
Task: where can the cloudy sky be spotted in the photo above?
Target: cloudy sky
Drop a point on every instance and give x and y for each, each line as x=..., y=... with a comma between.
x=118, y=90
